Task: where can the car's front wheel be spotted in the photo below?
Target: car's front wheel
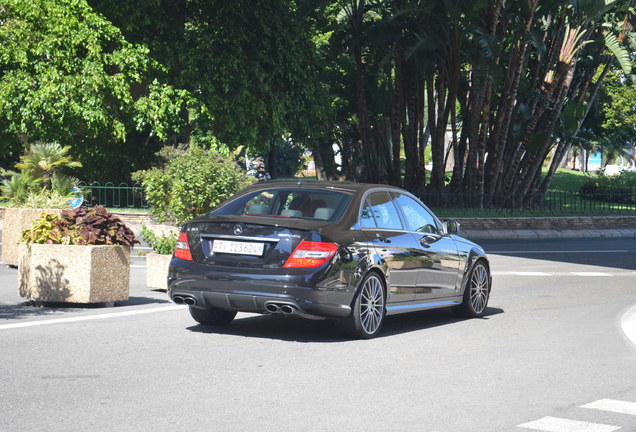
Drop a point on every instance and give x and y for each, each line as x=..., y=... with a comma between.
x=212, y=316
x=368, y=310
x=477, y=292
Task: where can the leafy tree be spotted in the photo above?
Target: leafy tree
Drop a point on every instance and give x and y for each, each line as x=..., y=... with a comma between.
x=249, y=63
x=68, y=75
x=499, y=86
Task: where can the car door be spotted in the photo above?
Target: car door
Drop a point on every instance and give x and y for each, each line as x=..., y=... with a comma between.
x=398, y=248
x=439, y=265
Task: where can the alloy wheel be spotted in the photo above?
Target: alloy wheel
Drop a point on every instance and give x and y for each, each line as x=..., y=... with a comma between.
x=372, y=305
x=479, y=288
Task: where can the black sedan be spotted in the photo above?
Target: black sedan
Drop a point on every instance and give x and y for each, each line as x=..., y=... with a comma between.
x=350, y=252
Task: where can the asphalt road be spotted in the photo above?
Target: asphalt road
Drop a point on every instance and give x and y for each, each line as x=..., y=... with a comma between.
x=550, y=345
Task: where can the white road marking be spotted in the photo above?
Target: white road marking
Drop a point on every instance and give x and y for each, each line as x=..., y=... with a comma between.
x=555, y=424
x=526, y=252
x=531, y=273
x=582, y=274
x=628, y=324
x=611, y=405
x=90, y=317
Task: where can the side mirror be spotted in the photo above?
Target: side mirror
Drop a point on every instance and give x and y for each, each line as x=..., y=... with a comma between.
x=452, y=227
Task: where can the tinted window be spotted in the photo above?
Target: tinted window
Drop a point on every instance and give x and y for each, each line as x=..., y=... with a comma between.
x=296, y=203
x=381, y=207
x=366, y=217
x=416, y=215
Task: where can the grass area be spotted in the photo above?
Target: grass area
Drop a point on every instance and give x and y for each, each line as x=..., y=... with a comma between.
x=566, y=180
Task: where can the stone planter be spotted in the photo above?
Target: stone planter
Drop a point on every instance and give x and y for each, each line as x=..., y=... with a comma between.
x=74, y=274
x=14, y=221
x=157, y=270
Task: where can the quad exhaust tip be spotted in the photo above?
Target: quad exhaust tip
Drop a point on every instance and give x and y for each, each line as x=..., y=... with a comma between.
x=281, y=308
x=190, y=301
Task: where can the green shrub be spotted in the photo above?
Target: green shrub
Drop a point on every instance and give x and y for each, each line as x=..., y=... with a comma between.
x=191, y=183
x=80, y=226
x=619, y=189
x=39, y=183
x=161, y=244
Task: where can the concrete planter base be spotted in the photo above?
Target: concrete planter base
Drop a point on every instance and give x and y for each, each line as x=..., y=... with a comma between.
x=157, y=270
x=15, y=220
x=74, y=274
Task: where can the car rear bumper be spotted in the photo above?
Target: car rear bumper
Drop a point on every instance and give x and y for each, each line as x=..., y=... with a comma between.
x=253, y=290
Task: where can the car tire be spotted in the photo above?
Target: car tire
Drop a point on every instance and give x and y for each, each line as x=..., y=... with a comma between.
x=369, y=309
x=477, y=292
x=212, y=316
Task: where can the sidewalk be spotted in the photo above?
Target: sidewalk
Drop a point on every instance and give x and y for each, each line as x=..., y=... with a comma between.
x=548, y=227
x=543, y=233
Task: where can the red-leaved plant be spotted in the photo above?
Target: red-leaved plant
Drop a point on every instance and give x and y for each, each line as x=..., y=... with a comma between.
x=80, y=226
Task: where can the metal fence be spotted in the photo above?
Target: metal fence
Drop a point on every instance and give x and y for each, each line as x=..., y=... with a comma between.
x=132, y=196
x=122, y=195
x=554, y=203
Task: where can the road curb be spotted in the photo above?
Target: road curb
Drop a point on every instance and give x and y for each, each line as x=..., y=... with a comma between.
x=628, y=324
x=544, y=234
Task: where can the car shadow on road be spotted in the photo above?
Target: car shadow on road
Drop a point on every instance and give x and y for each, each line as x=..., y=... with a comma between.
x=422, y=320
x=292, y=329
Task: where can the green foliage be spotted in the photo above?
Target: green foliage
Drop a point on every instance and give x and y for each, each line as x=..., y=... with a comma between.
x=46, y=199
x=16, y=188
x=264, y=82
x=190, y=184
x=47, y=229
x=68, y=74
x=39, y=184
x=288, y=158
x=619, y=189
x=163, y=244
x=80, y=226
x=43, y=159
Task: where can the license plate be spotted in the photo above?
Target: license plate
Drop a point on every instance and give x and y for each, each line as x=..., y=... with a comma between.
x=239, y=248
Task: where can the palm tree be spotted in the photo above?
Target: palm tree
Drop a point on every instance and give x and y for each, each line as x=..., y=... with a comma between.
x=43, y=159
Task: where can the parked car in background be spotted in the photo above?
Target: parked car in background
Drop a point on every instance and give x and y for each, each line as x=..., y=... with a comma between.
x=350, y=252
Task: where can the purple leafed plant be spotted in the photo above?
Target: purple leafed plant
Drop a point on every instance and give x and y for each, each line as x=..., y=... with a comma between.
x=97, y=226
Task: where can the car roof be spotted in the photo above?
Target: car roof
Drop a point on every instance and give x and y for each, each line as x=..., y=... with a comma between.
x=315, y=184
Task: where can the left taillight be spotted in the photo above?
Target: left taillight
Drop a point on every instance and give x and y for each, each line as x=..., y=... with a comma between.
x=182, y=249
x=311, y=254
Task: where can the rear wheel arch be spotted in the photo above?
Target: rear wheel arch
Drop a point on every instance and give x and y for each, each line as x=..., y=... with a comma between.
x=378, y=271
x=368, y=307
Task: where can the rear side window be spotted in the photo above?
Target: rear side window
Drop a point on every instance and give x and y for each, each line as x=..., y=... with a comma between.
x=289, y=203
x=380, y=212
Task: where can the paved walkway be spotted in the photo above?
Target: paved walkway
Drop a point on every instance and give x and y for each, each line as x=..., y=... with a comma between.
x=529, y=234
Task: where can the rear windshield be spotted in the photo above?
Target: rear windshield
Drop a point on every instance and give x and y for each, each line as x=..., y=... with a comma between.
x=289, y=203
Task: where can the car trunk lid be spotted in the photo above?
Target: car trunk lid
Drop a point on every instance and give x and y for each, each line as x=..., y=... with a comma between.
x=246, y=241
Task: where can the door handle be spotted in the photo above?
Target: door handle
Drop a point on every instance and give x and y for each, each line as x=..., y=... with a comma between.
x=426, y=239
x=383, y=238
x=424, y=242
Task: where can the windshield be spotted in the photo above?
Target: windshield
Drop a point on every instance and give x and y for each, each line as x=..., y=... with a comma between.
x=290, y=203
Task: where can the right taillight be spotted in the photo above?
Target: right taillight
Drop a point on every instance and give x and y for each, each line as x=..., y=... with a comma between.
x=311, y=254
x=182, y=249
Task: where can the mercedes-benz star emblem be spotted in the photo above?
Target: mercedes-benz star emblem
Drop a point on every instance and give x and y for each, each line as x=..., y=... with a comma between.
x=238, y=229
